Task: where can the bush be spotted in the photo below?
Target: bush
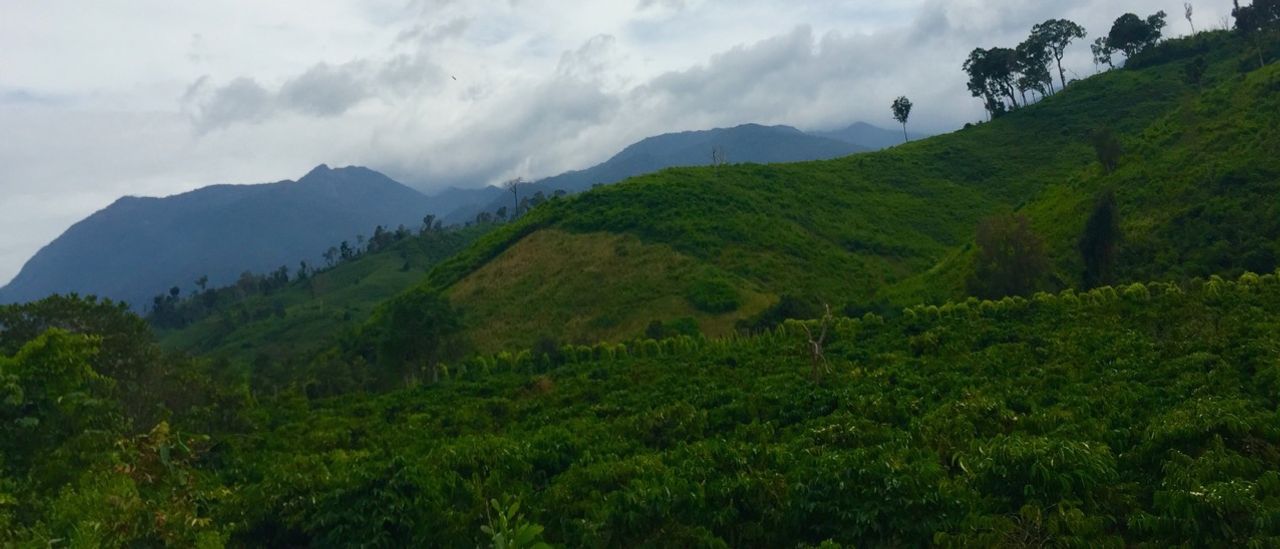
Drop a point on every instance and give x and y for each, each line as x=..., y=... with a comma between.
x=713, y=295
x=1011, y=259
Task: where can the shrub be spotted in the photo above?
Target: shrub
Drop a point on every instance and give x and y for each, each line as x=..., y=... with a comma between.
x=713, y=295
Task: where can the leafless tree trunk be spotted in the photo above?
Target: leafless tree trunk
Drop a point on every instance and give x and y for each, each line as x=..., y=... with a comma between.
x=819, y=360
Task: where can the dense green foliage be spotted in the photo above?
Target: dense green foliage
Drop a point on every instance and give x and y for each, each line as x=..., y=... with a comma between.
x=87, y=458
x=1141, y=414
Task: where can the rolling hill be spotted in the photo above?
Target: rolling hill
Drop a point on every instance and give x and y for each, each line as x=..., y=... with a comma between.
x=137, y=248
x=897, y=226
x=888, y=229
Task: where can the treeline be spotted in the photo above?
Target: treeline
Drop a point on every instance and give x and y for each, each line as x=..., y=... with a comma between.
x=1000, y=76
x=520, y=206
x=172, y=310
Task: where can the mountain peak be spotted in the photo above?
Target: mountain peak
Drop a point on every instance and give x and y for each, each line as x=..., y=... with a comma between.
x=317, y=171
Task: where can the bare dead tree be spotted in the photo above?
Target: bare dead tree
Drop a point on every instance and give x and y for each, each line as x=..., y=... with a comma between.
x=814, y=345
x=1189, y=11
x=718, y=156
x=513, y=185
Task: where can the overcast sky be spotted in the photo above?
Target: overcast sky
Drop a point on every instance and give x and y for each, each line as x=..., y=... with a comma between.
x=105, y=98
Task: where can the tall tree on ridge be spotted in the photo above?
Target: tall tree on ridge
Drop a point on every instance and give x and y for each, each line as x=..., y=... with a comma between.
x=1131, y=34
x=1252, y=20
x=1033, y=64
x=901, y=113
x=1102, y=53
x=1056, y=35
x=992, y=77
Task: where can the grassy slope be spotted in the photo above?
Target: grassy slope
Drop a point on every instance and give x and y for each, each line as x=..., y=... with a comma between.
x=320, y=308
x=1196, y=189
x=1073, y=420
x=848, y=230
x=565, y=269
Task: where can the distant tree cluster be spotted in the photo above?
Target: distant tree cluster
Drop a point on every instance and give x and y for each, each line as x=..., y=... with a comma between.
x=521, y=205
x=1001, y=76
x=172, y=310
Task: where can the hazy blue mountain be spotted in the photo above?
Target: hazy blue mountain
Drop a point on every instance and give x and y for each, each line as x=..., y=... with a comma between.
x=747, y=143
x=138, y=247
x=867, y=136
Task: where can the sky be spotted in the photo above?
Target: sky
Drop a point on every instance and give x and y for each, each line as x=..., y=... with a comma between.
x=110, y=98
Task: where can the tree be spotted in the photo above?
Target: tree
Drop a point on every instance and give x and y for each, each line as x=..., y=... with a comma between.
x=1102, y=53
x=513, y=186
x=417, y=331
x=202, y=282
x=50, y=396
x=1011, y=258
x=1033, y=65
x=992, y=76
x=1107, y=146
x=1194, y=71
x=331, y=255
x=1188, y=12
x=1056, y=35
x=145, y=381
x=718, y=156
x=1131, y=34
x=901, y=113
x=817, y=358
x=1098, y=243
x=1252, y=20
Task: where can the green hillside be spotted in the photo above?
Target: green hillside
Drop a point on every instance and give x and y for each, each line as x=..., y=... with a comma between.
x=1128, y=416
x=307, y=314
x=1136, y=416
x=895, y=225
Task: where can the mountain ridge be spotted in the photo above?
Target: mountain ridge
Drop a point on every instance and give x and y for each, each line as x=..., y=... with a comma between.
x=216, y=231
x=744, y=143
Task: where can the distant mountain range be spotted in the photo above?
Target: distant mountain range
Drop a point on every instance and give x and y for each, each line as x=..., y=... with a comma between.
x=751, y=143
x=137, y=248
